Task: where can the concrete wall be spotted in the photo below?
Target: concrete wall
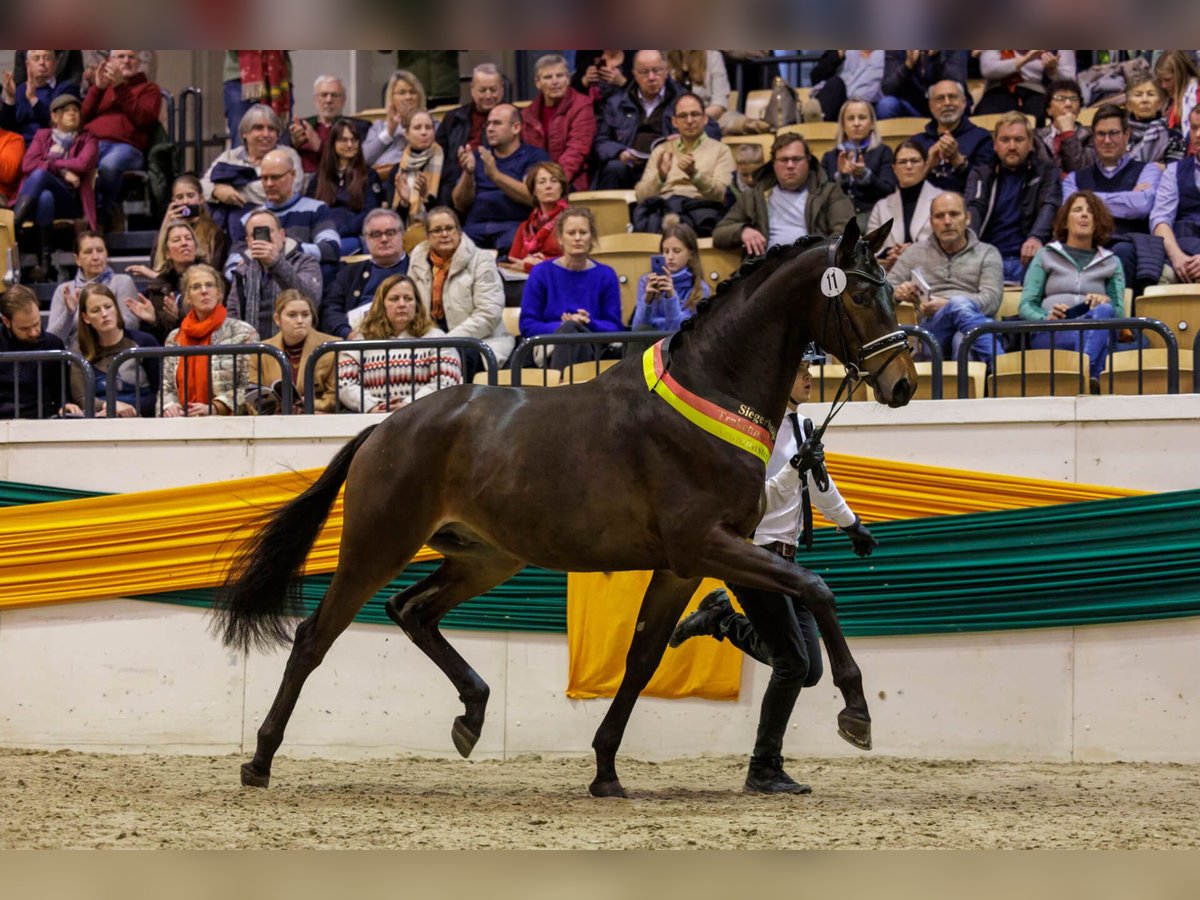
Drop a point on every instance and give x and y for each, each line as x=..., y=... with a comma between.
x=128, y=675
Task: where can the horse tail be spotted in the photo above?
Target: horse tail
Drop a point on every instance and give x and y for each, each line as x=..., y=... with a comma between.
x=260, y=590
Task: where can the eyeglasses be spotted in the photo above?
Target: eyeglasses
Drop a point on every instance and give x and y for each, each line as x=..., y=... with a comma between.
x=380, y=235
x=1065, y=98
x=444, y=229
x=201, y=287
x=657, y=70
x=689, y=115
x=791, y=160
x=1107, y=135
x=266, y=177
x=908, y=162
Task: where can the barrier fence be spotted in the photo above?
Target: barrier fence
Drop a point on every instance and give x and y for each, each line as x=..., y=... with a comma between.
x=525, y=356
x=65, y=359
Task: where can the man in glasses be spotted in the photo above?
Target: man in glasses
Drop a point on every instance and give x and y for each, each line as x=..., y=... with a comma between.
x=1064, y=141
x=1127, y=188
x=356, y=283
x=792, y=199
x=685, y=178
x=953, y=143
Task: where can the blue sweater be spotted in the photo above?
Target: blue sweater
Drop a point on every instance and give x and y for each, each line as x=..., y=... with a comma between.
x=666, y=313
x=553, y=290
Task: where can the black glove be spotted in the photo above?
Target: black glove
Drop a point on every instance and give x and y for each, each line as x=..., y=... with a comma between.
x=811, y=458
x=860, y=536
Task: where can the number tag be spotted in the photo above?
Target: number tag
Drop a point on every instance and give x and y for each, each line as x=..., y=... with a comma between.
x=833, y=282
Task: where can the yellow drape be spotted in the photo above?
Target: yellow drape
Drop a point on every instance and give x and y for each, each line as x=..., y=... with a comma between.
x=142, y=543
x=602, y=609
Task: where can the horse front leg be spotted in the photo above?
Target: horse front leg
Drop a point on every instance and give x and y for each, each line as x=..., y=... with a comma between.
x=665, y=599
x=728, y=556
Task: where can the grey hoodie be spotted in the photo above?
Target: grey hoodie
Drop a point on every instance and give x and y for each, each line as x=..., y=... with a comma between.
x=975, y=272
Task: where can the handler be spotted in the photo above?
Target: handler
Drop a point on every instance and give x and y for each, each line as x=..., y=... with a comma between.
x=777, y=630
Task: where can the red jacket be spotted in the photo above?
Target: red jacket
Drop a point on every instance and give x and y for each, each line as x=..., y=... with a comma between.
x=571, y=132
x=10, y=163
x=124, y=113
x=80, y=159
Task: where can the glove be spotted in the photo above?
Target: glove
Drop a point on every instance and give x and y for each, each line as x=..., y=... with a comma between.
x=860, y=537
x=811, y=458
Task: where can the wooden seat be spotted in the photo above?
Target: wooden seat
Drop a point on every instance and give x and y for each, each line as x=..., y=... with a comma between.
x=763, y=140
x=586, y=371
x=894, y=132
x=1175, y=305
x=1123, y=367
x=756, y=103
x=530, y=377
x=629, y=254
x=611, y=209
x=1010, y=303
x=827, y=379
x=820, y=136
x=8, y=252
x=512, y=320
x=976, y=373
x=1066, y=365
x=369, y=115
x=988, y=122
x=976, y=87
x=1086, y=116
x=716, y=264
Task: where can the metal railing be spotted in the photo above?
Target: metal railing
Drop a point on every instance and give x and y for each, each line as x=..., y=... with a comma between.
x=1076, y=325
x=936, y=362
x=191, y=98
x=64, y=358
x=488, y=357
x=524, y=356
x=170, y=124
x=235, y=350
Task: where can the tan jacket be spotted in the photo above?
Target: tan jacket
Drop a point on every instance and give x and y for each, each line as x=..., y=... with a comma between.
x=714, y=171
x=324, y=376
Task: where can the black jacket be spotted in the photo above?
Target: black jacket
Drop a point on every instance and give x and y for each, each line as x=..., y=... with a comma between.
x=346, y=293
x=24, y=377
x=1041, y=195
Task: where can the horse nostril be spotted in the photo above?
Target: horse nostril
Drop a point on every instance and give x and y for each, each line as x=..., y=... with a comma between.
x=901, y=393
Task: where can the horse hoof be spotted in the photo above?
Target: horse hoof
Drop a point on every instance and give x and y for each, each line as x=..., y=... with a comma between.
x=251, y=778
x=855, y=730
x=607, y=789
x=464, y=737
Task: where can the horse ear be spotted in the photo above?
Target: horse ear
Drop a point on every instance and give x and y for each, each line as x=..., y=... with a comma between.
x=877, y=237
x=849, y=243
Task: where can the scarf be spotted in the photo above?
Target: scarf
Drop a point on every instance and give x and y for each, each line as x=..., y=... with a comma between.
x=264, y=76
x=441, y=268
x=61, y=141
x=195, y=333
x=414, y=162
x=537, y=229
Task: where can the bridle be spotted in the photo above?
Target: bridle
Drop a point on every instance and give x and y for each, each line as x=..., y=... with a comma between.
x=856, y=369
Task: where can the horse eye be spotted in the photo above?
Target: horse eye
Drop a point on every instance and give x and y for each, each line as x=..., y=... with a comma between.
x=860, y=298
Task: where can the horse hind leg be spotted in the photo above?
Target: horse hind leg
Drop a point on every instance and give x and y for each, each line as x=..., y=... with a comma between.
x=419, y=609
x=666, y=597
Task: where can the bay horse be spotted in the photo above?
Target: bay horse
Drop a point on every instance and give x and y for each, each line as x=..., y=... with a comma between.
x=669, y=448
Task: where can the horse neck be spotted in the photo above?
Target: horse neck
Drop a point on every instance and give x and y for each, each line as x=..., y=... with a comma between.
x=751, y=343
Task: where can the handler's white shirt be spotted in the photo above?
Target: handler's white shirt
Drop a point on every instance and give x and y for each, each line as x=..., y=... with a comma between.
x=781, y=522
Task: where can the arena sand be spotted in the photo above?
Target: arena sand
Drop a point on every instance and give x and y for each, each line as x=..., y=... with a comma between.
x=66, y=799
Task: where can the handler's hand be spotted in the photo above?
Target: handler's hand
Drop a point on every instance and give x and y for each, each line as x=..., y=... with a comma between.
x=860, y=537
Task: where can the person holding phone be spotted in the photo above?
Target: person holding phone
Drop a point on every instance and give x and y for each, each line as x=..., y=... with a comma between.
x=272, y=262
x=1075, y=276
x=860, y=162
x=669, y=292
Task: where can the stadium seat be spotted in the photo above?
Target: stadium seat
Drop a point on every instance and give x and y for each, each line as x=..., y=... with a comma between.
x=988, y=122
x=717, y=265
x=611, y=209
x=1123, y=367
x=827, y=379
x=976, y=372
x=1175, y=305
x=1040, y=365
x=820, y=136
x=975, y=87
x=369, y=115
x=1086, y=116
x=586, y=371
x=512, y=320
x=756, y=103
x=893, y=132
x=8, y=250
x=530, y=377
x=629, y=254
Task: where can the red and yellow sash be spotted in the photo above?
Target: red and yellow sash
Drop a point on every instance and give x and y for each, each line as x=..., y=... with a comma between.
x=745, y=428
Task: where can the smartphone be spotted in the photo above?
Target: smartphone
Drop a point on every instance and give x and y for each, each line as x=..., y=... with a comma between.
x=186, y=212
x=658, y=264
x=260, y=233
x=1077, y=310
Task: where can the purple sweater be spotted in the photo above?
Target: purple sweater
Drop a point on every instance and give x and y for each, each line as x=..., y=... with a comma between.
x=553, y=290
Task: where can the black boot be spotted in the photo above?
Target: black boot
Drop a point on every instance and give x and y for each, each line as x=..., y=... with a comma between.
x=22, y=208
x=44, y=270
x=705, y=619
x=766, y=776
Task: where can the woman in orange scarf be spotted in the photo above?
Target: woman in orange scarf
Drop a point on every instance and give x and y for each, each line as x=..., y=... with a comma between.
x=201, y=385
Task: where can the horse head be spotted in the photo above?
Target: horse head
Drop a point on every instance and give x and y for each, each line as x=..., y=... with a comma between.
x=860, y=324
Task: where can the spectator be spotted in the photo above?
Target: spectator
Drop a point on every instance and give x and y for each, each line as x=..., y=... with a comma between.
x=201, y=385
x=560, y=120
x=791, y=199
x=703, y=73
x=1064, y=141
x=387, y=137
x=633, y=121
x=309, y=136
x=965, y=278
x=26, y=106
x=665, y=299
x=573, y=294
x=418, y=178
x=490, y=193
x=1175, y=216
x=842, y=74
x=748, y=159
x=68, y=67
x=297, y=337
x=305, y=220
x=385, y=380
x=685, y=180
x=466, y=125
x=601, y=73
x=1011, y=201
x=59, y=167
x=1017, y=79
x=188, y=204
x=27, y=390
x=1127, y=188
x=861, y=163
x=1074, y=270
x=1193, y=141
x=346, y=185
x=234, y=180
x=908, y=207
x=253, y=78
x=382, y=232
x=1179, y=79
x=159, y=307
x=1150, y=139
x=102, y=336
x=121, y=111
x=273, y=262
x=908, y=76
x=466, y=297
x=953, y=143
x=91, y=257
x=537, y=239
x=12, y=152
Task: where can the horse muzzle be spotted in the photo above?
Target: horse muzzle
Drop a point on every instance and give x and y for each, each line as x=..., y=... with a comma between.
x=894, y=376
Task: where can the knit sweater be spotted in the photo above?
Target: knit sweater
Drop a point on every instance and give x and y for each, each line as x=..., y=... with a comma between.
x=1055, y=277
x=368, y=379
x=714, y=170
x=554, y=289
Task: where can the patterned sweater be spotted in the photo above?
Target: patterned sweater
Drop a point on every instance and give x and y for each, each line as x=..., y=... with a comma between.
x=371, y=380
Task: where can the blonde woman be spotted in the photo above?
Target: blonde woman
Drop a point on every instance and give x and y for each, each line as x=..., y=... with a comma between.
x=389, y=136
x=860, y=163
